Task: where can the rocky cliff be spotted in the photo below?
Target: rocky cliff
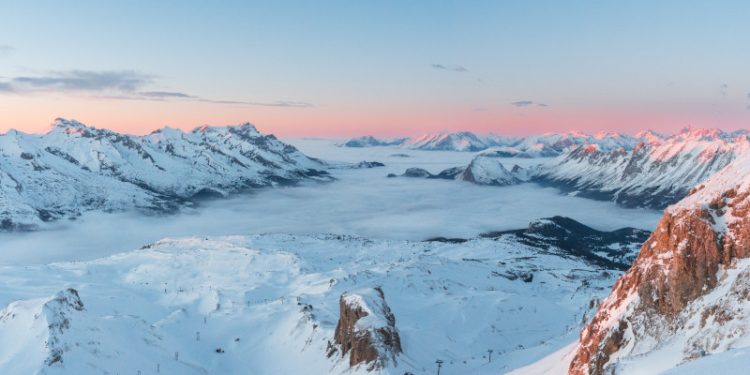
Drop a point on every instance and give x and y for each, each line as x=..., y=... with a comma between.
x=686, y=294
x=367, y=329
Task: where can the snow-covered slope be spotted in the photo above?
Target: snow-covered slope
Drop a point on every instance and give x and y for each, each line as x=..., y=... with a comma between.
x=75, y=168
x=554, y=144
x=653, y=174
x=686, y=296
x=486, y=169
x=270, y=304
x=445, y=141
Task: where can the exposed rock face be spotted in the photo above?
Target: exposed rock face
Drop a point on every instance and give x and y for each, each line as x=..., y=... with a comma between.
x=58, y=311
x=367, y=329
x=685, y=259
x=44, y=323
x=417, y=173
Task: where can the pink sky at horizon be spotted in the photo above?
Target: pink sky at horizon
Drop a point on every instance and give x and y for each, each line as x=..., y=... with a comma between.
x=322, y=121
x=389, y=68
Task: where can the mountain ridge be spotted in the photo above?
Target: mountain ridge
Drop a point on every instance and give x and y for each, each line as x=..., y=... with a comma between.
x=74, y=168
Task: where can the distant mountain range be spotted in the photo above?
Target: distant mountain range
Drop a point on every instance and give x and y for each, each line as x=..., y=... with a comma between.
x=546, y=145
x=75, y=168
x=653, y=174
x=657, y=171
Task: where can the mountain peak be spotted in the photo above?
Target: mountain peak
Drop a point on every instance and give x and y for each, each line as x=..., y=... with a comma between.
x=68, y=126
x=245, y=127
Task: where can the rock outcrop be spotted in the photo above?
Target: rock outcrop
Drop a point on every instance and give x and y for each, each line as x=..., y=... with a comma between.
x=39, y=326
x=662, y=300
x=366, y=329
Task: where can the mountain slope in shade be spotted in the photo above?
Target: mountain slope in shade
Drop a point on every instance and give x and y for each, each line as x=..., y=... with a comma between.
x=616, y=249
x=687, y=295
x=74, y=168
x=653, y=174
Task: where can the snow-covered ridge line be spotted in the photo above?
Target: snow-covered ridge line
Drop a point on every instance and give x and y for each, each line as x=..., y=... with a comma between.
x=75, y=168
x=545, y=145
x=653, y=174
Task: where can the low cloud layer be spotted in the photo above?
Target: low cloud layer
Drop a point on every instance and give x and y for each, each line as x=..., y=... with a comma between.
x=5, y=49
x=453, y=68
x=116, y=85
x=80, y=80
x=527, y=103
x=375, y=207
x=522, y=103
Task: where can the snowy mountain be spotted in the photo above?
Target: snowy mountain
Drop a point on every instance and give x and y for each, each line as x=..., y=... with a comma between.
x=282, y=304
x=484, y=169
x=653, y=174
x=446, y=141
x=554, y=144
x=74, y=168
x=370, y=141
x=546, y=145
x=685, y=298
x=481, y=171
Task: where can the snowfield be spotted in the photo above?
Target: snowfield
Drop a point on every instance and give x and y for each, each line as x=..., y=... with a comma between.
x=268, y=304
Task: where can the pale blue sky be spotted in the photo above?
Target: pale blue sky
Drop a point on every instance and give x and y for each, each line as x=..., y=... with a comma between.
x=343, y=67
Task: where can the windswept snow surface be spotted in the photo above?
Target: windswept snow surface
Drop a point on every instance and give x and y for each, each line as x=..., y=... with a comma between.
x=360, y=202
x=268, y=304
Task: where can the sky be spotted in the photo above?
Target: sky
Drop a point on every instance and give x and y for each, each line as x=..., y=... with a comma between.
x=390, y=67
